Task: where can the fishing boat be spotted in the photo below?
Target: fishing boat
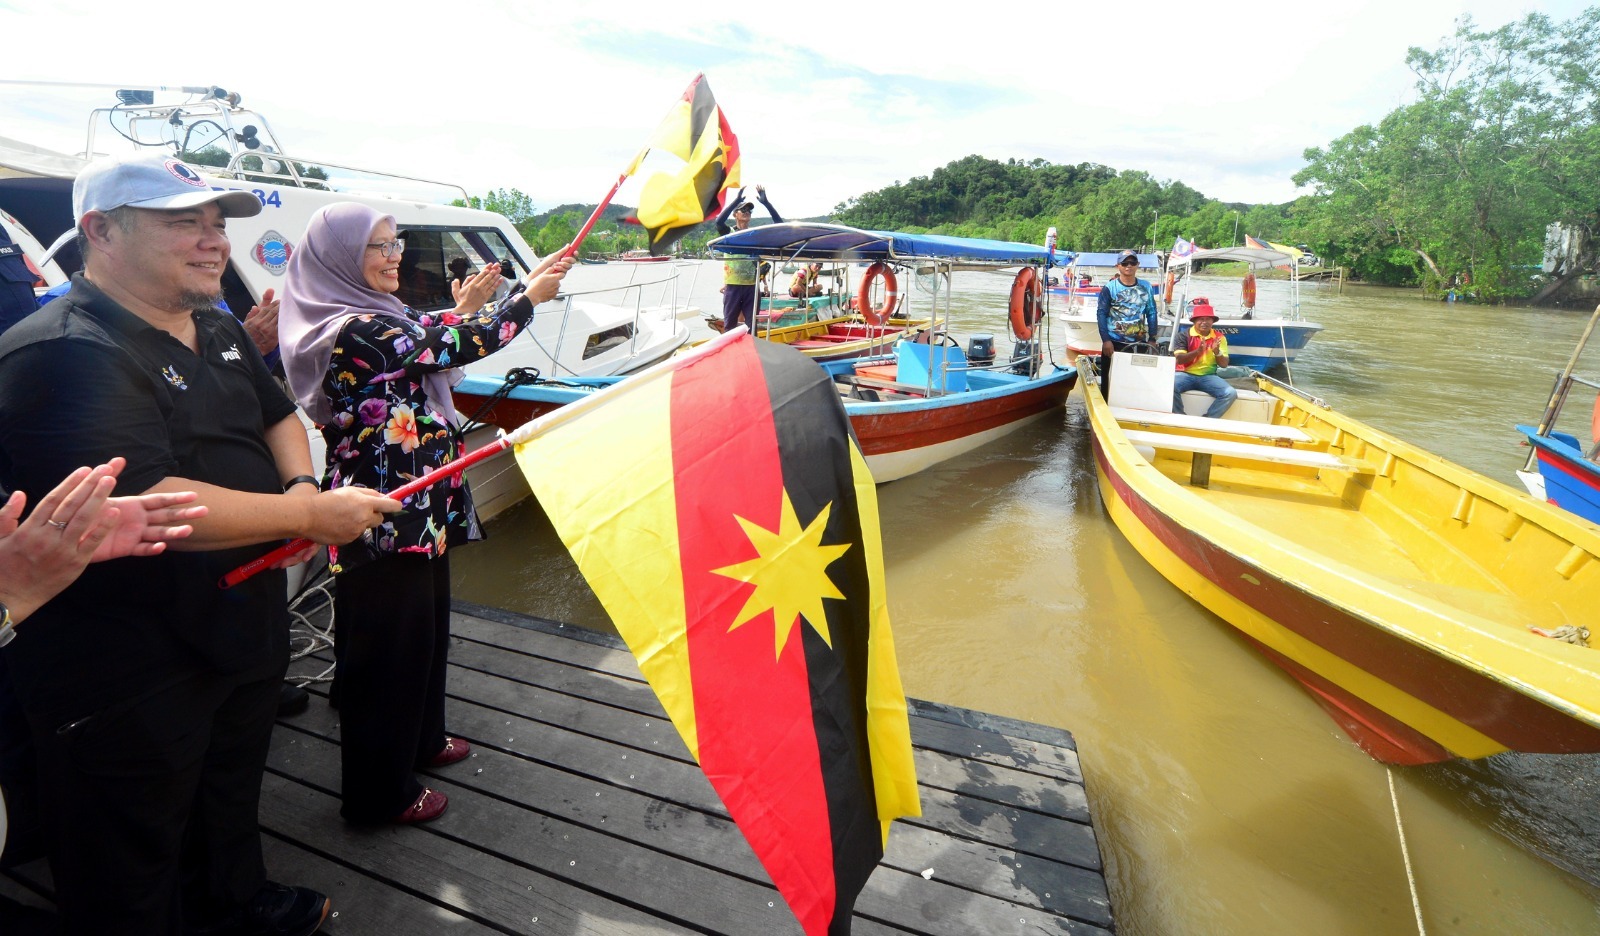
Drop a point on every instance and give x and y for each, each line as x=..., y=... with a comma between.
x=829, y=327
x=1076, y=313
x=1561, y=469
x=929, y=399
x=1428, y=609
x=590, y=333
x=1255, y=340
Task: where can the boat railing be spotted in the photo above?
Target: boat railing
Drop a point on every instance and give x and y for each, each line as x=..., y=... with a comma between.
x=290, y=172
x=633, y=294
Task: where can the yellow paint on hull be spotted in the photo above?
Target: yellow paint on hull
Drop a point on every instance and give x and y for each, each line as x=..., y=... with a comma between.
x=1410, y=557
x=1449, y=732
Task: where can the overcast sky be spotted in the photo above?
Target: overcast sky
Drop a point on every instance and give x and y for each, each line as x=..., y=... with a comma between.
x=828, y=100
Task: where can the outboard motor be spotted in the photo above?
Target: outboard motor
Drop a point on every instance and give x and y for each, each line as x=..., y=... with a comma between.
x=980, y=350
x=1025, y=357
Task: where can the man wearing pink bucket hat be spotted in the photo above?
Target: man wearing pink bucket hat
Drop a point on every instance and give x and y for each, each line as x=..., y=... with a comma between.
x=1205, y=351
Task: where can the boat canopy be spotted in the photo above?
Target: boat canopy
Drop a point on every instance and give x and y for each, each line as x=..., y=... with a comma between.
x=811, y=241
x=1259, y=258
x=25, y=159
x=1146, y=261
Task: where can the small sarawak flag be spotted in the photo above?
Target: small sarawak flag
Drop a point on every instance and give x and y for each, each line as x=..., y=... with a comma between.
x=724, y=515
x=697, y=132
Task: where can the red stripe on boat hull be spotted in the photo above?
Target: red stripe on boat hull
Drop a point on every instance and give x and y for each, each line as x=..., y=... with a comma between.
x=907, y=431
x=1509, y=717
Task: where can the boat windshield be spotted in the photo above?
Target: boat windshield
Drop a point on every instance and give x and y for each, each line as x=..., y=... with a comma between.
x=426, y=266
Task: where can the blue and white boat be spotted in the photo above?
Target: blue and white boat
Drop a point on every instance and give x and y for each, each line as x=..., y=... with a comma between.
x=1261, y=342
x=925, y=402
x=1560, y=469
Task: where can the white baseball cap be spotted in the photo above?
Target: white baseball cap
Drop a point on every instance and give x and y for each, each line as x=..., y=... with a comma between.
x=157, y=182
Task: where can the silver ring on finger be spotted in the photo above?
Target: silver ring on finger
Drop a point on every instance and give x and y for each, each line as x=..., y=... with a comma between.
x=57, y=524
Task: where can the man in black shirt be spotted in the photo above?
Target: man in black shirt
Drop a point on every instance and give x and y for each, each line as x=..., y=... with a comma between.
x=150, y=692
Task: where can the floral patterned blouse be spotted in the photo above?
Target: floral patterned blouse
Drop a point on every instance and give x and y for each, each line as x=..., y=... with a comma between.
x=384, y=433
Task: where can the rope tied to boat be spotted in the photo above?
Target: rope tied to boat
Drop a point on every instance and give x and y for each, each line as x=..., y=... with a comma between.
x=515, y=377
x=1569, y=633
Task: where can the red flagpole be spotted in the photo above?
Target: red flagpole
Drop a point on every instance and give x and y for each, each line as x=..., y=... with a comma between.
x=587, y=225
x=433, y=477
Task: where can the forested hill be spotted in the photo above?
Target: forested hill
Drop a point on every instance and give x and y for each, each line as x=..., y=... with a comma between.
x=1092, y=207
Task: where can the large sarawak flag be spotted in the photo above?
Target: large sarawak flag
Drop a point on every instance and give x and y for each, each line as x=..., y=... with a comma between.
x=726, y=519
x=697, y=132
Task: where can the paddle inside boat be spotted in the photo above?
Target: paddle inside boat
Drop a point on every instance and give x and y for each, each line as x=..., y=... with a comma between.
x=1561, y=469
x=1434, y=613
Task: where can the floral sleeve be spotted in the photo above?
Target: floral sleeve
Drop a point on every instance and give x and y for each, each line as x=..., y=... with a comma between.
x=437, y=341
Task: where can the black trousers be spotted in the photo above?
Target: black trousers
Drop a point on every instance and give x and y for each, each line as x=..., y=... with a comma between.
x=150, y=804
x=1105, y=368
x=391, y=644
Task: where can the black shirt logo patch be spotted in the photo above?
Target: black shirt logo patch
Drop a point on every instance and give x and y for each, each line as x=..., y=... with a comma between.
x=175, y=378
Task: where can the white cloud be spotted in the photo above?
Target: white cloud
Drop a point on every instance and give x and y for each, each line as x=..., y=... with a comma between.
x=828, y=103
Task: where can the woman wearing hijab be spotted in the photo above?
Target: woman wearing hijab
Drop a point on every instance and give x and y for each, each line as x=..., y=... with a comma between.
x=376, y=377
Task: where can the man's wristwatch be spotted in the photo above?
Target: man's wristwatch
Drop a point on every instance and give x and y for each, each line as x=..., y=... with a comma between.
x=8, y=630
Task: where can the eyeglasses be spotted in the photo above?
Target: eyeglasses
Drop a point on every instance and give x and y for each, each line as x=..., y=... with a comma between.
x=389, y=249
x=1127, y=263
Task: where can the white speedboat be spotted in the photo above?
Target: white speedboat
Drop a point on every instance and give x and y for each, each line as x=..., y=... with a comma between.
x=600, y=333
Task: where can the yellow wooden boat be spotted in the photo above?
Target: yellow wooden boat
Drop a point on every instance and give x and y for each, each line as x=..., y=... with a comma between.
x=1422, y=604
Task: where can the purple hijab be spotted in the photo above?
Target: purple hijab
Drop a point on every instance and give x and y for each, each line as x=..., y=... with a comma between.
x=326, y=288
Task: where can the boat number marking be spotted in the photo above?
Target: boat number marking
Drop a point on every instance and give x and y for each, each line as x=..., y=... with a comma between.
x=268, y=198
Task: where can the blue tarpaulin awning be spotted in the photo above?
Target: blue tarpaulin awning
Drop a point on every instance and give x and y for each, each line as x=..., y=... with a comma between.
x=1146, y=261
x=808, y=241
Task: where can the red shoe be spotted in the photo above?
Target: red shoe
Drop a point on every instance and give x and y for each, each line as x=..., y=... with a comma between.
x=428, y=807
x=454, y=749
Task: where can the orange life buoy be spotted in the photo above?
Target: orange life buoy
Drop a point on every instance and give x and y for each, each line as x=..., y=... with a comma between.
x=1026, y=303
x=1249, y=290
x=1172, y=280
x=877, y=315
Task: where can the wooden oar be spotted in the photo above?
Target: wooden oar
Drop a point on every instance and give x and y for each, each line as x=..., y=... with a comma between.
x=1559, y=393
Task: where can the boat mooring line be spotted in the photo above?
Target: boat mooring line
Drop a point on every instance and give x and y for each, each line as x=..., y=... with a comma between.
x=1405, y=853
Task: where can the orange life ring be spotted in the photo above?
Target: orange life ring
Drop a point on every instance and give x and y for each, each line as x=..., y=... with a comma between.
x=877, y=315
x=1026, y=303
x=1249, y=291
x=1172, y=280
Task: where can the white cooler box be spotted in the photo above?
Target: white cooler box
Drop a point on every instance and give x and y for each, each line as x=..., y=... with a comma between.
x=1142, y=381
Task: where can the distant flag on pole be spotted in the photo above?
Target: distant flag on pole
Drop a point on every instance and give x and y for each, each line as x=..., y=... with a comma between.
x=1181, y=248
x=696, y=131
x=724, y=516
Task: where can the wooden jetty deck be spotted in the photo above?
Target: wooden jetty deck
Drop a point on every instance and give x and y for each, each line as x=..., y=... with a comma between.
x=581, y=812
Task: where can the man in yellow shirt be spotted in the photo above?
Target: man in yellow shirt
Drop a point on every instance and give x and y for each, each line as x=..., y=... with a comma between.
x=1205, y=351
x=739, y=276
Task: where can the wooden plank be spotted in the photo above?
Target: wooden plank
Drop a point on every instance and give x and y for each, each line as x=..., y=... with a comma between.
x=362, y=905
x=1245, y=450
x=515, y=842
x=1010, y=828
x=1001, y=829
x=1123, y=414
x=1037, y=883
x=1001, y=785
